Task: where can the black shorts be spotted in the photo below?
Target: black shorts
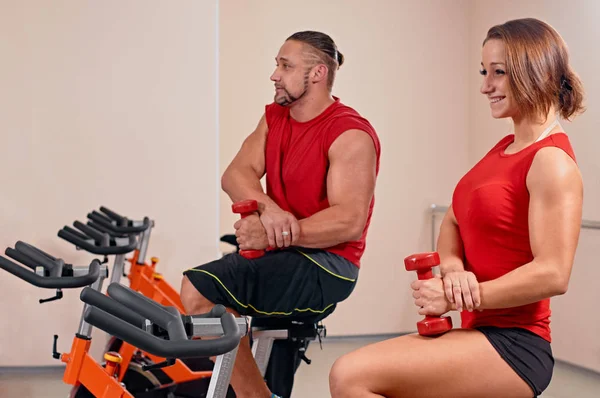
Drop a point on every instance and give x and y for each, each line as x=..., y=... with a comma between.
x=528, y=354
x=303, y=284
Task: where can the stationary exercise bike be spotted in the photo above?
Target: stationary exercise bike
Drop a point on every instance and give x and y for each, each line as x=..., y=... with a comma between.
x=158, y=372
x=279, y=345
x=165, y=332
x=89, y=378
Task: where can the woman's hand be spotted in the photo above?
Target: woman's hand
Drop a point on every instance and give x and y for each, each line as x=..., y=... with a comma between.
x=429, y=296
x=462, y=290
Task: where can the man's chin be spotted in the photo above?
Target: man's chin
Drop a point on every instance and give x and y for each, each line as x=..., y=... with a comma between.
x=281, y=101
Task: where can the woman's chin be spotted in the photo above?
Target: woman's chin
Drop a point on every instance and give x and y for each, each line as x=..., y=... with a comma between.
x=500, y=114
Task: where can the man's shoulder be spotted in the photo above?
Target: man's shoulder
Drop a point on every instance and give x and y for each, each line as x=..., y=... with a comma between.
x=347, y=115
x=347, y=110
x=275, y=108
x=275, y=111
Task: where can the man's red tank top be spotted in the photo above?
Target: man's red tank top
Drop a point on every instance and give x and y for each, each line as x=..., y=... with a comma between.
x=491, y=204
x=296, y=158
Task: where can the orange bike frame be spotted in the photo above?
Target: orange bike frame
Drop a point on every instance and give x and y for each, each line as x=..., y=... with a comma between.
x=143, y=278
x=83, y=370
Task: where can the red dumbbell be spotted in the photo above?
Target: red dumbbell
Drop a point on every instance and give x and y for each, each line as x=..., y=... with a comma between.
x=246, y=208
x=423, y=263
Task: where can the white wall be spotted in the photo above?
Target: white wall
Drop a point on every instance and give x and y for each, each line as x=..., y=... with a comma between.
x=103, y=103
x=406, y=71
x=575, y=320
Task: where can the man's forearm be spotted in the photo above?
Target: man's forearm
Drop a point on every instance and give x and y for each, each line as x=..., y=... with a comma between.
x=242, y=185
x=330, y=227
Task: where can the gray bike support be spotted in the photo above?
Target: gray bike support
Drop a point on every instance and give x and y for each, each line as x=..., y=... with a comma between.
x=221, y=376
x=262, y=345
x=144, y=241
x=85, y=329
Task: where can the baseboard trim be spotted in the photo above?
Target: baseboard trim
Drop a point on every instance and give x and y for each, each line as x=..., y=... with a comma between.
x=578, y=368
x=382, y=336
x=31, y=369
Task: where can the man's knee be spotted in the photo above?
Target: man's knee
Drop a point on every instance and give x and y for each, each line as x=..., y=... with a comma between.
x=193, y=301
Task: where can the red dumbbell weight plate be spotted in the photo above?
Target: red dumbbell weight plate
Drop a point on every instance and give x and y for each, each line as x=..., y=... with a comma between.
x=250, y=254
x=433, y=326
x=245, y=206
x=422, y=260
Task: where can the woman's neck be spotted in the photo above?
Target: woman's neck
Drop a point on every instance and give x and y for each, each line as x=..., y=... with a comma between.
x=529, y=130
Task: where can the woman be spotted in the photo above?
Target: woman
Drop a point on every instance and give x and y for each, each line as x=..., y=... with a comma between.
x=507, y=243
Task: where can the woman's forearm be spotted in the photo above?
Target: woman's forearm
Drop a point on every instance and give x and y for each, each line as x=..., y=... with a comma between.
x=527, y=284
x=450, y=246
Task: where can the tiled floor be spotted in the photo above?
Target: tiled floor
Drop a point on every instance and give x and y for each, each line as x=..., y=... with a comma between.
x=311, y=381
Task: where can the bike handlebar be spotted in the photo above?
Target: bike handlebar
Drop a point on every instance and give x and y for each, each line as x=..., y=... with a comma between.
x=178, y=345
x=33, y=257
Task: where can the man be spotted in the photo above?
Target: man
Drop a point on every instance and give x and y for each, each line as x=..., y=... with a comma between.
x=321, y=160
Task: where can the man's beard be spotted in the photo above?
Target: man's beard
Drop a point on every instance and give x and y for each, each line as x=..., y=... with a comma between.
x=288, y=99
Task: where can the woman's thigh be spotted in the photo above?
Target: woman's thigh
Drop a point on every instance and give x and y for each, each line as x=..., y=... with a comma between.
x=461, y=363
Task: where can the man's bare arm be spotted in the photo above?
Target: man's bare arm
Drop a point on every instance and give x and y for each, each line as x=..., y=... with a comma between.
x=350, y=188
x=241, y=179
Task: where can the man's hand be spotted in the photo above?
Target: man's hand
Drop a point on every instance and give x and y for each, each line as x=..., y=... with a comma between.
x=282, y=228
x=250, y=233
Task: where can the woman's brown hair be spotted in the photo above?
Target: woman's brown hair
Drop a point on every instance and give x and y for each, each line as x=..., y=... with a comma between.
x=537, y=63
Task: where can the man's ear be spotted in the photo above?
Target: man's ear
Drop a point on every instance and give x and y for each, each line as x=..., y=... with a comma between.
x=319, y=73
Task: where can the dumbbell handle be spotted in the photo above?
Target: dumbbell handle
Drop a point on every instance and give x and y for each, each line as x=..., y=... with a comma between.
x=423, y=263
x=424, y=274
x=246, y=208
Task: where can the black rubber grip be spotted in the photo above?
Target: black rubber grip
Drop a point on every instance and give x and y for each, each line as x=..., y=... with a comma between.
x=103, y=250
x=22, y=258
x=101, y=220
x=216, y=312
x=167, y=318
x=93, y=233
x=100, y=216
x=102, y=228
x=106, y=304
x=38, y=256
x=52, y=282
x=32, y=247
x=51, y=268
x=166, y=348
x=112, y=215
x=77, y=233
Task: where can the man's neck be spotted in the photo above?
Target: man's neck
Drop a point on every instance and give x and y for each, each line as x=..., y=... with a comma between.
x=310, y=107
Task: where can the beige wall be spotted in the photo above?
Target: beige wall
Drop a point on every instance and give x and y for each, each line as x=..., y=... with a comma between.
x=406, y=71
x=103, y=103
x=575, y=318
x=80, y=76
x=412, y=69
